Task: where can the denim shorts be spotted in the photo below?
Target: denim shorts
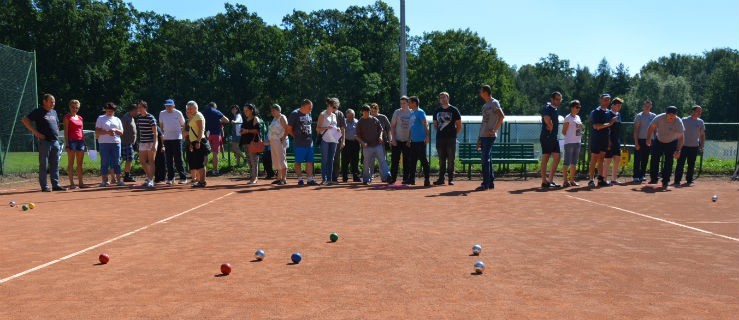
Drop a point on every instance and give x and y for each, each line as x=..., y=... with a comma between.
x=76, y=145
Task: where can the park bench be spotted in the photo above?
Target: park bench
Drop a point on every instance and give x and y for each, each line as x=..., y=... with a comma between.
x=502, y=153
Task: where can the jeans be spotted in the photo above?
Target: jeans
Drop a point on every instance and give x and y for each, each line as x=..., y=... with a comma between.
x=370, y=155
x=173, y=159
x=687, y=153
x=110, y=155
x=488, y=176
x=328, y=152
x=400, y=149
x=446, y=148
x=418, y=153
x=48, y=154
x=350, y=159
x=660, y=149
x=641, y=159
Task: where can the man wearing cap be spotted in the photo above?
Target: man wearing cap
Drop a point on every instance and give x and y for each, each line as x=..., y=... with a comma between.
x=369, y=136
x=695, y=137
x=613, y=153
x=641, y=151
x=548, y=139
x=171, y=121
x=599, y=140
x=669, y=142
x=128, y=140
x=214, y=121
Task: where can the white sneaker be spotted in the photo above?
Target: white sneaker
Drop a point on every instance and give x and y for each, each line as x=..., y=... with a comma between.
x=182, y=181
x=170, y=182
x=104, y=184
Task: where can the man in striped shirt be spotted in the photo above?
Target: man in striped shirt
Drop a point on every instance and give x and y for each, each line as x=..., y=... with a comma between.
x=147, y=128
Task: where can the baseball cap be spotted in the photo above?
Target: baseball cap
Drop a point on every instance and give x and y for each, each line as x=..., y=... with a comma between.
x=169, y=102
x=605, y=95
x=671, y=109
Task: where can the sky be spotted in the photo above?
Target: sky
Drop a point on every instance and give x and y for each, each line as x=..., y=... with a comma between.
x=632, y=32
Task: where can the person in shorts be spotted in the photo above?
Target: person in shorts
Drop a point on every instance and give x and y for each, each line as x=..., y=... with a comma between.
x=214, y=121
x=74, y=143
x=613, y=153
x=548, y=139
x=599, y=140
x=299, y=124
x=572, y=131
x=147, y=127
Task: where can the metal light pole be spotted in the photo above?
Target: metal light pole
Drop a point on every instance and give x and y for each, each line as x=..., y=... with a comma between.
x=403, y=67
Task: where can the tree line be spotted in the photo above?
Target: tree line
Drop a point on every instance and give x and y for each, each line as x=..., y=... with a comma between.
x=99, y=51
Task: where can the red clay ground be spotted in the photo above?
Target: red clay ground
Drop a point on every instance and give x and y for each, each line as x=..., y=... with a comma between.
x=573, y=254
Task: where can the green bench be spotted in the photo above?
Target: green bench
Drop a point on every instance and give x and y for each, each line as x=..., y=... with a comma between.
x=502, y=153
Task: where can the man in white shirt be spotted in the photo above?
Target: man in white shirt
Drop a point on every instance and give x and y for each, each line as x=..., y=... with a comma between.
x=172, y=123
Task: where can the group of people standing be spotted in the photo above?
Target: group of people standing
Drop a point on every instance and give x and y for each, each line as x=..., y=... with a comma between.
x=664, y=137
x=346, y=137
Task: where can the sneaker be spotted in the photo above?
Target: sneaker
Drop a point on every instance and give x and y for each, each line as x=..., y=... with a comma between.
x=45, y=189
x=545, y=185
x=574, y=184
x=439, y=182
x=591, y=183
x=128, y=178
x=602, y=183
x=566, y=184
x=312, y=183
x=170, y=182
x=554, y=185
x=121, y=184
x=665, y=186
x=426, y=183
x=636, y=180
x=58, y=188
x=145, y=184
x=182, y=181
x=481, y=188
x=276, y=181
x=104, y=184
x=150, y=185
x=451, y=182
x=282, y=182
x=324, y=183
x=301, y=183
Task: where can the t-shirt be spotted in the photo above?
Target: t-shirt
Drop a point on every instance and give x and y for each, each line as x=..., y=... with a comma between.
x=418, y=128
x=193, y=127
x=385, y=123
x=145, y=125
x=666, y=131
x=643, y=120
x=693, y=128
x=302, y=131
x=369, y=130
x=74, y=128
x=129, y=129
x=614, y=131
x=236, y=127
x=490, y=117
x=401, y=131
x=446, y=119
x=574, y=129
x=351, y=129
x=172, y=124
x=213, y=121
x=108, y=123
x=598, y=116
x=550, y=111
x=47, y=123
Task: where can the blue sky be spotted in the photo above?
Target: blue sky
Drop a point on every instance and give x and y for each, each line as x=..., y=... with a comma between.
x=629, y=31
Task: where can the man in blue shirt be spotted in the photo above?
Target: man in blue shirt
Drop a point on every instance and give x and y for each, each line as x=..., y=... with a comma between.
x=599, y=140
x=214, y=121
x=47, y=133
x=548, y=139
x=418, y=142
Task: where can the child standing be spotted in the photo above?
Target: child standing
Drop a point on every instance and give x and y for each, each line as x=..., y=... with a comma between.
x=572, y=130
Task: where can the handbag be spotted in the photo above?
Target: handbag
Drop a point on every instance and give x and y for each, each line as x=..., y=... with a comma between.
x=204, y=143
x=256, y=146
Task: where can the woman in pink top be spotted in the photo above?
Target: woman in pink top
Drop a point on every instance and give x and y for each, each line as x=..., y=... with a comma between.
x=74, y=143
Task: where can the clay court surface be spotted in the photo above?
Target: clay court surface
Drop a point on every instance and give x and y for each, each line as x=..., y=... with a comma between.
x=615, y=253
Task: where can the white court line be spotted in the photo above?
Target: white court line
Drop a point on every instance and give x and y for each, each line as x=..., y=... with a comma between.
x=713, y=222
x=72, y=255
x=658, y=219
